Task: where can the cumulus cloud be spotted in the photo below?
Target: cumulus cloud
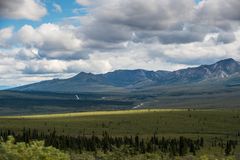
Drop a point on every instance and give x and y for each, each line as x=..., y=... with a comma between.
x=219, y=10
x=52, y=41
x=176, y=28
x=123, y=34
x=156, y=14
x=27, y=53
x=84, y=2
x=118, y=20
x=220, y=13
x=8, y=63
x=5, y=35
x=212, y=49
x=59, y=66
x=44, y=66
x=169, y=36
x=226, y=37
x=171, y=21
x=22, y=9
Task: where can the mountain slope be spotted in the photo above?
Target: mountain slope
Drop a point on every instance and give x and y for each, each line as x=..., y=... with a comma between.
x=219, y=71
x=127, y=80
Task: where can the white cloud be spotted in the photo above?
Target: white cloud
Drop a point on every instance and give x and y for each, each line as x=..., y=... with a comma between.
x=89, y=65
x=84, y=2
x=22, y=9
x=60, y=66
x=220, y=13
x=123, y=34
x=45, y=66
x=208, y=51
x=27, y=53
x=8, y=63
x=52, y=41
x=116, y=21
x=136, y=57
x=5, y=35
x=219, y=9
x=57, y=7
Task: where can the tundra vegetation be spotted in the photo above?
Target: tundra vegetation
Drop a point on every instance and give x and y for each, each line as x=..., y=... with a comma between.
x=132, y=134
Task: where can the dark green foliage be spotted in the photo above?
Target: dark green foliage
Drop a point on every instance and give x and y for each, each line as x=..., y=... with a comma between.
x=34, y=150
x=107, y=143
x=230, y=146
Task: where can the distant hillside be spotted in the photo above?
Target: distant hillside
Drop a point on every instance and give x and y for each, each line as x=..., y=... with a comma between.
x=206, y=86
x=129, y=80
x=4, y=87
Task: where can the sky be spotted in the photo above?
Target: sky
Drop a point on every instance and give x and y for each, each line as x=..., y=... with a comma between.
x=46, y=39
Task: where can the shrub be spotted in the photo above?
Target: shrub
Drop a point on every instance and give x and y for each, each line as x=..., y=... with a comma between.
x=35, y=150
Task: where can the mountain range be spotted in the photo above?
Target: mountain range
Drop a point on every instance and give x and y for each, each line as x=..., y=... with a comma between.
x=206, y=86
x=133, y=80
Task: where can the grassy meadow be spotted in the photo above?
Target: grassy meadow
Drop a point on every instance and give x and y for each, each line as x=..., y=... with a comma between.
x=172, y=123
x=169, y=122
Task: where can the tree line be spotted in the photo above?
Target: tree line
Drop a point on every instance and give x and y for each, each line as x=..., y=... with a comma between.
x=106, y=143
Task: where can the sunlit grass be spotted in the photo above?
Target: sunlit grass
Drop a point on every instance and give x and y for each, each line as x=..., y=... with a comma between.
x=95, y=113
x=145, y=122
